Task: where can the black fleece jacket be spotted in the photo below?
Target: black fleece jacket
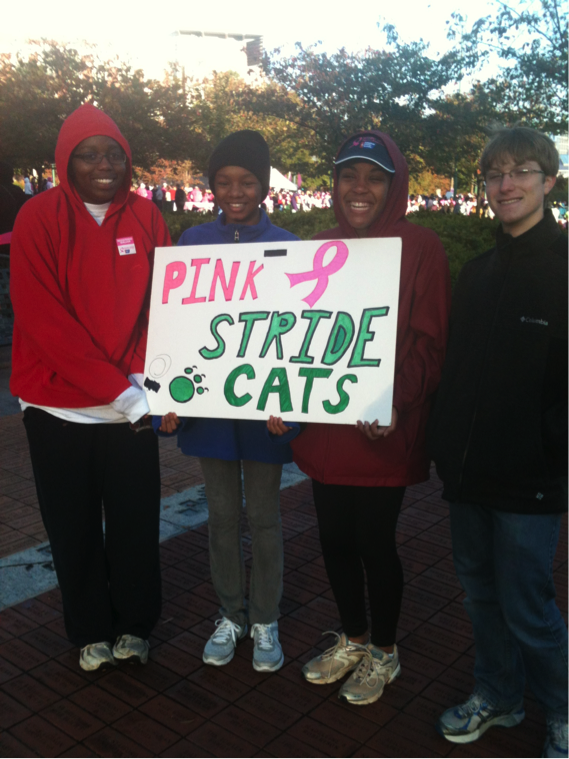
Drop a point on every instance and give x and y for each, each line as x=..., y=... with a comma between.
x=498, y=431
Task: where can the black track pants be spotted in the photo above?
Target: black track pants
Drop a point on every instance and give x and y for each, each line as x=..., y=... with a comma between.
x=110, y=582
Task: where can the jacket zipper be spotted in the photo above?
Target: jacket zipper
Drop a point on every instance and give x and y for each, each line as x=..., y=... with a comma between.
x=236, y=238
x=466, y=451
x=461, y=476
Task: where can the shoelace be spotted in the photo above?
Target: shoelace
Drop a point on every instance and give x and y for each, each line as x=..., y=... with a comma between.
x=95, y=649
x=474, y=705
x=367, y=667
x=558, y=732
x=226, y=629
x=265, y=639
x=330, y=652
x=128, y=640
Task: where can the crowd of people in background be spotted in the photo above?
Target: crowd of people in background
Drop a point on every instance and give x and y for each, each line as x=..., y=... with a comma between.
x=465, y=205
x=182, y=198
x=178, y=198
x=461, y=204
x=300, y=200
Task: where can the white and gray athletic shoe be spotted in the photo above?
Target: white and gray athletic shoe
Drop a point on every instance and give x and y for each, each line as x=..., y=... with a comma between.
x=220, y=648
x=335, y=662
x=96, y=656
x=467, y=722
x=375, y=670
x=267, y=654
x=130, y=648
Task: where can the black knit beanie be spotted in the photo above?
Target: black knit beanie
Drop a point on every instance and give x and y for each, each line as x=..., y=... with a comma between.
x=247, y=149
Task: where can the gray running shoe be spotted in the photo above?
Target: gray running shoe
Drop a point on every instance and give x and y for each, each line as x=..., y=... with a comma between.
x=131, y=648
x=267, y=654
x=96, y=656
x=467, y=722
x=376, y=670
x=220, y=648
x=556, y=740
x=335, y=662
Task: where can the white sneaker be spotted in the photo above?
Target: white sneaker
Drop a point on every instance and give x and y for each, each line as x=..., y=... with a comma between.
x=376, y=670
x=132, y=649
x=466, y=722
x=267, y=655
x=96, y=656
x=220, y=648
x=335, y=662
x=556, y=739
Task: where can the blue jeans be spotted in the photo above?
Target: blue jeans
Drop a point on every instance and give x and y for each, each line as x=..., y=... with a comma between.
x=504, y=563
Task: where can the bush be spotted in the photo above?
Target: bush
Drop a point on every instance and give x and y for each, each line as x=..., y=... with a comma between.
x=463, y=237
x=179, y=222
x=305, y=224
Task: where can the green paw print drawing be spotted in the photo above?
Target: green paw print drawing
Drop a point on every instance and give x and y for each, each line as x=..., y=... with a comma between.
x=183, y=389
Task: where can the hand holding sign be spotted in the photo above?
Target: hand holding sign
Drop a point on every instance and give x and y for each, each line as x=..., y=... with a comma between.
x=374, y=431
x=276, y=426
x=170, y=423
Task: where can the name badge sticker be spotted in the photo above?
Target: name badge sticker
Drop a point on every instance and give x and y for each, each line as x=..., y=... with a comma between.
x=126, y=246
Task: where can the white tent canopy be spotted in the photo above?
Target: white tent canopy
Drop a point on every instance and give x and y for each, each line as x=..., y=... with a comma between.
x=280, y=182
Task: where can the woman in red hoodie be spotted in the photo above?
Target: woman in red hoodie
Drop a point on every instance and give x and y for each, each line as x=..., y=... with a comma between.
x=80, y=284
x=359, y=473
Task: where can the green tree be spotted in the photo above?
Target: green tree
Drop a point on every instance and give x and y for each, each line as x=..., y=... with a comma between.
x=224, y=103
x=38, y=93
x=531, y=43
x=329, y=96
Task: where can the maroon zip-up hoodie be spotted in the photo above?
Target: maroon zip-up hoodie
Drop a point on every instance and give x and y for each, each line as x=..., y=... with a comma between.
x=341, y=454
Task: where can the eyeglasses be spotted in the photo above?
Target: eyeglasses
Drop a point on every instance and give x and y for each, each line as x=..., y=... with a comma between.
x=518, y=176
x=115, y=158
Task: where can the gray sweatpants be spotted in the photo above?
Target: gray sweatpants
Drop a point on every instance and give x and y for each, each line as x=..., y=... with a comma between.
x=225, y=502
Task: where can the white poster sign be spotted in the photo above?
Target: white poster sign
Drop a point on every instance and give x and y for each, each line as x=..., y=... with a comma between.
x=301, y=330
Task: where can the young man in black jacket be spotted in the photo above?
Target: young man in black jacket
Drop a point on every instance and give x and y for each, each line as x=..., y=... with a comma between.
x=498, y=435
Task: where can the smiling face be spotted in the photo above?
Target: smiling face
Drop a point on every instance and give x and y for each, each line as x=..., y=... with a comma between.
x=362, y=189
x=96, y=183
x=239, y=195
x=518, y=203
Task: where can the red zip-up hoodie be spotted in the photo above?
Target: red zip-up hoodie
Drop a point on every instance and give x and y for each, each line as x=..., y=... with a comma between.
x=81, y=308
x=341, y=454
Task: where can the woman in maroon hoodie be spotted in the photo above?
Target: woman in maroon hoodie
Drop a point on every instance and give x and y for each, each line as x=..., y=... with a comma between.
x=80, y=284
x=359, y=473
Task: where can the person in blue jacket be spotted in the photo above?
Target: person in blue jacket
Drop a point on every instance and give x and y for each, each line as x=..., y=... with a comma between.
x=239, y=173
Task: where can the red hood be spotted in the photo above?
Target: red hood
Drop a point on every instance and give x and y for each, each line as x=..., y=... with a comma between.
x=88, y=121
x=396, y=207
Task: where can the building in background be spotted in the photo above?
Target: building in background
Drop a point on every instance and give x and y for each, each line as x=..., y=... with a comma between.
x=199, y=53
x=561, y=143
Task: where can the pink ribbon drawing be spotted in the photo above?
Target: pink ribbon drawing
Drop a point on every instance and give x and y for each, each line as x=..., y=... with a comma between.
x=320, y=272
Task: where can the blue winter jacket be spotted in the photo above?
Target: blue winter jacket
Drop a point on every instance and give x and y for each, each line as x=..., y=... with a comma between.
x=233, y=439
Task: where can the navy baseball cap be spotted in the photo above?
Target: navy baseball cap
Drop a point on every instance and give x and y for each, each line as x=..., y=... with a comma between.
x=366, y=148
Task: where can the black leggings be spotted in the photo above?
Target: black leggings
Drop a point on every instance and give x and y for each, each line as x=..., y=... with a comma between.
x=357, y=532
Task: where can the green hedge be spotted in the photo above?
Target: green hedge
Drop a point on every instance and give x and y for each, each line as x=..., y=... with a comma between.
x=179, y=222
x=463, y=237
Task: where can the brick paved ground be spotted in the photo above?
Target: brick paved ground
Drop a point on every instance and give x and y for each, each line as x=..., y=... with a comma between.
x=178, y=707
